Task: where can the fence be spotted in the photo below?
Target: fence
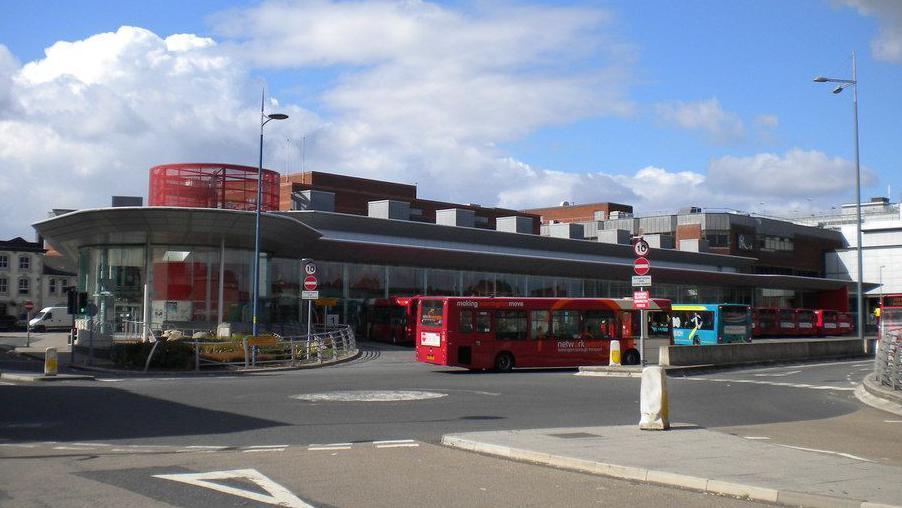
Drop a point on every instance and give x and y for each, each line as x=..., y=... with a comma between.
x=888, y=362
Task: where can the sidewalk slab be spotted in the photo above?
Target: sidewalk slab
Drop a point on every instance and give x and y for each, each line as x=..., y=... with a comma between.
x=691, y=457
x=39, y=376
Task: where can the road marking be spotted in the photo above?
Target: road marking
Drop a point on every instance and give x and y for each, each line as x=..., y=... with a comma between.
x=259, y=450
x=332, y=446
x=15, y=445
x=393, y=441
x=90, y=444
x=369, y=396
x=109, y=380
x=4, y=383
x=782, y=374
x=80, y=448
x=846, y=455
x=399, y=445
x=757, y=437
x=270, y=446
x=892, y=421
x=771, y=383
x=277, y=494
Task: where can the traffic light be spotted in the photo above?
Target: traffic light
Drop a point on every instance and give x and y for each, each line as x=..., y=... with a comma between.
x=72, y=301
x=82, y=303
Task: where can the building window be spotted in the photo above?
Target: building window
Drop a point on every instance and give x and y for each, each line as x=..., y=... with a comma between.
x=4, y=262
x=24, y=286
x=24, y=263
x=3, y=286
x=64, y=283
x=52, y=286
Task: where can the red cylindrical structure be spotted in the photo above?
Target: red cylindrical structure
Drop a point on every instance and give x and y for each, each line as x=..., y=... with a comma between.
x=210, y=185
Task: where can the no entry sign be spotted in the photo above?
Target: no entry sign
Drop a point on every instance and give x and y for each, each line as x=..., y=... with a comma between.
x=29, y=305
x=310, y=283
x=641, y=266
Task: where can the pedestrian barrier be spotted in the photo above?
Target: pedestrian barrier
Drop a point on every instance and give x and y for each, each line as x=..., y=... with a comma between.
x=888, y=360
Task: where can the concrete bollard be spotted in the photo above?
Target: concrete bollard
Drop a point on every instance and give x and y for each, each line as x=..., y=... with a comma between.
x=653, y=400
x=50, y=361
x=615, y=354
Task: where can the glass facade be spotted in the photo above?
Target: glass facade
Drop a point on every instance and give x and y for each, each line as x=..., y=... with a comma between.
x=186, y=290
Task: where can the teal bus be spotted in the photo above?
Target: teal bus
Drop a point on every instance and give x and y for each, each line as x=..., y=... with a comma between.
x=705, y=324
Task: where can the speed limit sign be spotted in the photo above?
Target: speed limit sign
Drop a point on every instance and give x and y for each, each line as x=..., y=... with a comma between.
x=640, y=248
x=310, y=267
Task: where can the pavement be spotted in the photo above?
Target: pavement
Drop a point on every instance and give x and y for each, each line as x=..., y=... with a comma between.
x=691, y=457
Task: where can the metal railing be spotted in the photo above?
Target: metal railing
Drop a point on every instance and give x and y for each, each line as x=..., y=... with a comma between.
x=323, y=345
x=888, y=360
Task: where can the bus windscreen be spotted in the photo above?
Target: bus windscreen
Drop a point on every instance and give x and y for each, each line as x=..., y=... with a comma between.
x=431, y=316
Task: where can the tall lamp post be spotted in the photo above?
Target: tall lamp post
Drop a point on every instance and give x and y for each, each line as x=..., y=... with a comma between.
x=842, y=85
x=264, y=119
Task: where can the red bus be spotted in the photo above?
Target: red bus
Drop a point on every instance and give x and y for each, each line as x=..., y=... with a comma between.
x=844, y=323
x=786, y=321
x=765, y=322
x=826, y=322
x=806, y=323
x=503, y=333
x=390, y=319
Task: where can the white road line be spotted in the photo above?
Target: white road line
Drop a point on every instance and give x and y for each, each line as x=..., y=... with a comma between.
x=109, y=380
x=398, y=445
x=393, y=441
x=81, y=448
x=257, y=450
x=772, y=383
x=325, y=448
x=4, y=383
x=90, y=444
x=782, y=374
x=892, y=421
x=275, y=494
x=270, y=446
x=14, y=445
x=846, y=455
x=206, y=447
x=757, y=437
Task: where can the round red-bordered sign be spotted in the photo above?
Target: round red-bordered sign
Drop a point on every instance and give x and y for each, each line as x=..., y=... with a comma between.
x=29, y=305
x=641, y=266
x=309, y=283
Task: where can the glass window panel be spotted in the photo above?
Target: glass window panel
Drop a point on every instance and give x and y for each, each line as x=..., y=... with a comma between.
x=431, y=313
x=538, y=324
x=465, y=324
x=599, y=324
x=442, y=282
x=478, y=284
x=510, y=324
x=565, y=324
x=405, y=281
x=483, y=321
x=366, y=281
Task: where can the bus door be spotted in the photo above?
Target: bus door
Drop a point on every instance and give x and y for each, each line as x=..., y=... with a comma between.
x=483, y=343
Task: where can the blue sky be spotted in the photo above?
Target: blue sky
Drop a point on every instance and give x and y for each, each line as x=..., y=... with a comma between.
x=658, y=104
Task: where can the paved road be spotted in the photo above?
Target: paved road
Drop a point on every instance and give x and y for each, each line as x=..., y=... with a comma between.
x=808, y=406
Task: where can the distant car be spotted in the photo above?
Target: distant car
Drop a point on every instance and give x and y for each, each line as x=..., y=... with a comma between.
x=8, y=323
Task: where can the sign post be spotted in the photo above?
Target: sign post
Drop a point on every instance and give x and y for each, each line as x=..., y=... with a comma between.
x=309, y=293
x=641, y=301
x=29, y=306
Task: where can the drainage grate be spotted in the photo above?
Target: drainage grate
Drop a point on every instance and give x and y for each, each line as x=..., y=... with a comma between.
x=574, y=435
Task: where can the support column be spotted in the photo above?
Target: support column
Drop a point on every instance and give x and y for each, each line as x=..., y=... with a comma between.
x=219, y=303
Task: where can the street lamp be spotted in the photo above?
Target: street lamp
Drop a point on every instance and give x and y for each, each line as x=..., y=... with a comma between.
x=264, y=119
x=842, y=84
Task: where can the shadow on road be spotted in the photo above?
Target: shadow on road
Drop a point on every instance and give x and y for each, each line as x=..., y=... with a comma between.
x=73, y=413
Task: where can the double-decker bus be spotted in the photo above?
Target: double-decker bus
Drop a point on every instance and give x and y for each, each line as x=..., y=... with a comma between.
x=503, y=333
x=390, y=319
x=705, y=324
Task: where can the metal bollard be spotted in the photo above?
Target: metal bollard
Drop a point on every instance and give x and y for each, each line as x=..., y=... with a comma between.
x=50, y=361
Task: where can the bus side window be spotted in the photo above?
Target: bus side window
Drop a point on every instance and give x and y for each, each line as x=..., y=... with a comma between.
x=465, y=325
x=565, y=324
x=510, y=324
x=483, y=322
x=538, y=325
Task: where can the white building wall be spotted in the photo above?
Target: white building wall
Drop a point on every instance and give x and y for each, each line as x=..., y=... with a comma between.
x=882, y=248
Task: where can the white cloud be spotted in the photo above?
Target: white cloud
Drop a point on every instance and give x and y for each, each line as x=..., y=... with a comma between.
x=887, y=46
x=767, y=121
x=706, y=116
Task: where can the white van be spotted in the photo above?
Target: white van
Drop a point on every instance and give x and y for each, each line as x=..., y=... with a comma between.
x=51, y=317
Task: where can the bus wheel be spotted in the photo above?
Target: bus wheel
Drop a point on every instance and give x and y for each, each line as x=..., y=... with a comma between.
x=504, y=362
x=631, y=357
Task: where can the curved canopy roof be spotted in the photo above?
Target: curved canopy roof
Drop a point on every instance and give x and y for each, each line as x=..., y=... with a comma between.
x=279, y=235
